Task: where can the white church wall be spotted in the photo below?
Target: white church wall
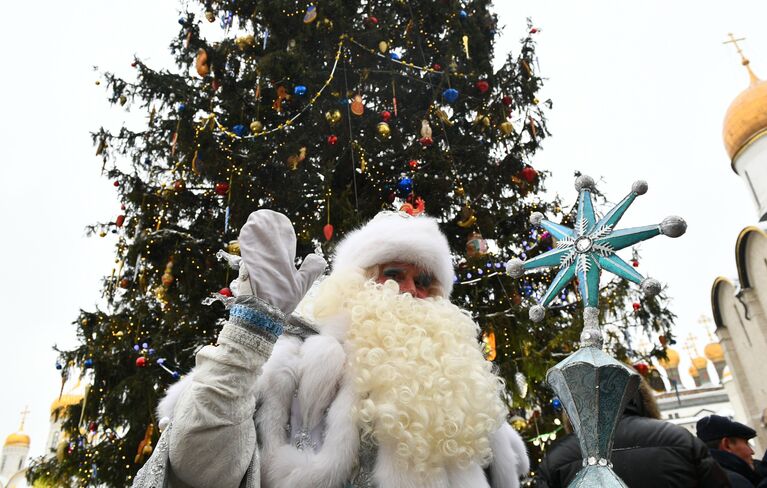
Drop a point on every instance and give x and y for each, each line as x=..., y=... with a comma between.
x=744, y=353
x=750, y=165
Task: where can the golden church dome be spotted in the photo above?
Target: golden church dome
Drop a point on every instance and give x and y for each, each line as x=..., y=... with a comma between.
x=672, y=361
x=746, y=118
x=714, y=352
x=693, y=371
x=699, y=362
x=65, y=401
x=17, y=439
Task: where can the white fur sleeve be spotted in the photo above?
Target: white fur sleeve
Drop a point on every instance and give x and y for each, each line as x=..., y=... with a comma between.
x=213, y=437
x=510, y=460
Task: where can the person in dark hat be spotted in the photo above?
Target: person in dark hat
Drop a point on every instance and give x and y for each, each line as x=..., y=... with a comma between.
x=727, y=441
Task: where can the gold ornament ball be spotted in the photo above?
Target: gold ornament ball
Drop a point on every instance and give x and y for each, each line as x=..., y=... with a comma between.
x=210, y=15
x=233, y=247
x=256, y=126
x=485, y=121
x=123, y=99
x=383, y=130
x=383, y=46
x=243, y=42
x=506, y=128
x=459, y=191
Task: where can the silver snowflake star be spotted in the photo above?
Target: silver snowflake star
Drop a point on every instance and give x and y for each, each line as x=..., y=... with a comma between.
x=589, y=248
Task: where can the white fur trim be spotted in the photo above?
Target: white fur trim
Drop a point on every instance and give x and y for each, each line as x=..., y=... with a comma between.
x=316, y=369
x=510, y=459
x=398, y=237
x=167, y=405
x=389, y=475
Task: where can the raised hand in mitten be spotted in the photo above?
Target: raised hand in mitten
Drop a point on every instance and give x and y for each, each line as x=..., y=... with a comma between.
x=268, y=249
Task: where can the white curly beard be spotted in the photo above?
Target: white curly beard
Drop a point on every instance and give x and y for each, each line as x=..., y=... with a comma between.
x=424, y=390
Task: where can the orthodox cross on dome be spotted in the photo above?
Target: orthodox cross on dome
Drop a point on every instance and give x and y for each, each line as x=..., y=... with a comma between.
x=586, y=250
x=743, y=59
x=691, y=344
x=734, y=42
x=24, y=414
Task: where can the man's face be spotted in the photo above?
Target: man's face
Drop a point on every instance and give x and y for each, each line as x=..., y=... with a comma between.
x=740, y=447
x=410, y=278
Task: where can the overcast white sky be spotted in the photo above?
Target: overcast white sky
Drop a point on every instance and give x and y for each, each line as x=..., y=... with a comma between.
x=639, y=91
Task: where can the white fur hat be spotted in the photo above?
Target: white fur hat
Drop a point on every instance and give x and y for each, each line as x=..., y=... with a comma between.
x=397, y=236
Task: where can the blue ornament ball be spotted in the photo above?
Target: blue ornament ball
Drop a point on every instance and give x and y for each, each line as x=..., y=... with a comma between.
x=88, y=363
x=239, y=129
x=160, y=361
x=151, y=352
x=144, y=345
x=463, y=15
x=176, y=375
x=59, y=365
x=450, y=95
x=181, y=107
x=394, y=56
x=136, y=347
x=299, y=90
x=405, y=186
x=556, y=403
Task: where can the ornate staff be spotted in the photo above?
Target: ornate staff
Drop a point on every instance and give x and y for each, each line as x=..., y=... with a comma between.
x=593, y=387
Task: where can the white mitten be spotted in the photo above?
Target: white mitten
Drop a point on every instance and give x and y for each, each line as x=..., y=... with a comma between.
x=268, y=249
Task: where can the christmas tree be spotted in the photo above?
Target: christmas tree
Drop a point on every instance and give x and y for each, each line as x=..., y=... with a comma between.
x=328, y=112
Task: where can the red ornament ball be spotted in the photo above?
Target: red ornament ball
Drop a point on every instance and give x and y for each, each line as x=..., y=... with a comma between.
x=635, y=263
x=533, y=30
x=371, y=21
x=636, y=306
x=413, y=164
x=122, y=207
x=529, y=174
x=226, y=292
x=141, y=361
x=642, y=368
x=179, y=185
x=482, y=86
x=221, y=188
x=436, y=67
x=116, y=183
x=507, y=100
x=332, y=139
x=662, y=339
x=120, y=220
x=385, y=115
x=426, y=141
x=215, y=84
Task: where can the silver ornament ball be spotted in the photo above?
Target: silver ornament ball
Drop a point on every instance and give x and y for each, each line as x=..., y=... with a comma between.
x=515, y=268
x=584, y=181
x=537, y=313
x=639, y=187
x=650, y=287
x=673, y=226
x=536, y=218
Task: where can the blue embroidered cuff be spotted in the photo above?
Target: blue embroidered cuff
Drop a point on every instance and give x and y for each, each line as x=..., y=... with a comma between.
x=245, y=316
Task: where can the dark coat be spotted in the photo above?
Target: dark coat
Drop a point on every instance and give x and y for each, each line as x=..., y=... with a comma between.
x=646, y=453
x=741, y=475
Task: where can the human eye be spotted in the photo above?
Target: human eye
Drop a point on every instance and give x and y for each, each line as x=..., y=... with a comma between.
x=393, y=273
x=424, y=280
